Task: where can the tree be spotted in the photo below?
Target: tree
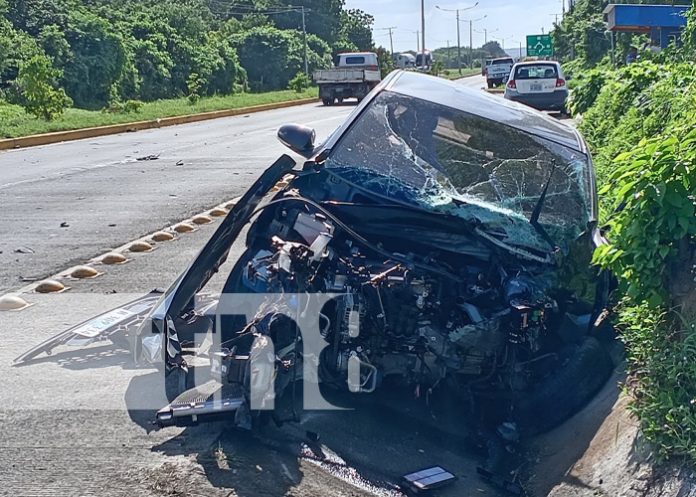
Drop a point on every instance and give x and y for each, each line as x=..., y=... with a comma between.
x=356, y=29
x=97, y=62
x=41, y=96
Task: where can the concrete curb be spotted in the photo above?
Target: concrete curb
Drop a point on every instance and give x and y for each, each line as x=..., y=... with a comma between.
x=79, y=134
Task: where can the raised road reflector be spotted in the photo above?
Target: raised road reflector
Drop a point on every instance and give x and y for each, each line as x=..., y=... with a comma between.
x=12, y=302
x=202, y=220
x=162, y=236
x=50, y=286
x=84, y=272
x=218, y=212
x=184, y=228
x=113, y=258
x=140, y=247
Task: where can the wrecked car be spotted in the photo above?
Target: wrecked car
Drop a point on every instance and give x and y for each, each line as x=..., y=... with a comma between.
x=451, y=233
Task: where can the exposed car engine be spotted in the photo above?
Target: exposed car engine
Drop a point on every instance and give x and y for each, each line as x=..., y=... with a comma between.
x=401, y=320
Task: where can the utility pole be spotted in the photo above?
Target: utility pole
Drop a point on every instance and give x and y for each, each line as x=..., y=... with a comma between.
x=417, y=41
x=423, y=32
x=391, y=41
x=471, y=39
x=448, y=55
x=391, y=37
x=304, y=36
x=459, y=42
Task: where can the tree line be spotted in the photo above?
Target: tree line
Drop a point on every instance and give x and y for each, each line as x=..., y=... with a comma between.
x=97, y=53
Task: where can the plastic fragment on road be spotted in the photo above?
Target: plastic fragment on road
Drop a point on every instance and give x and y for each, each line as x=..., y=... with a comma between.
x=428, y=479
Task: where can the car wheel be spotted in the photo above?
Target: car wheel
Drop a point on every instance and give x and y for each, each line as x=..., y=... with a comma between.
x=565, y=391
x=325, y=101
x=490, y=84
x=340, y=101
x=177, y=381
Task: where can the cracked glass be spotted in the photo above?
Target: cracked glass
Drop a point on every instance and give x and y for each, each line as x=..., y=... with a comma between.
x=432, y=156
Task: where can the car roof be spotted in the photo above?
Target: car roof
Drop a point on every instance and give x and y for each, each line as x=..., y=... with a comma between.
x=537, y=62
x=483, y=104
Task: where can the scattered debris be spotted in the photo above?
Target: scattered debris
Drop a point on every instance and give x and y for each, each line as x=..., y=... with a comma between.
x=112, y=225
x=24, y=250
x=180, y=163
x=50, y=286
x=64, y=224
x=428, y=479
x=500, y=482
x=148, y=157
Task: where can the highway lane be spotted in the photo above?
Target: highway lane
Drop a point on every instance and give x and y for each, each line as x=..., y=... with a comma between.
x=75, y=422
x=67, y=202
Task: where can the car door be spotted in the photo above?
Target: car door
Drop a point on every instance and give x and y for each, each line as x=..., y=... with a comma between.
x=536, y=78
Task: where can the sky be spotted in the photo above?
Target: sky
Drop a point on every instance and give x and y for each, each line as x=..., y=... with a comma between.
x=509, y=19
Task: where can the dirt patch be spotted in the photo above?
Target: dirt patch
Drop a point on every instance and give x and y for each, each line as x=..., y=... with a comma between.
x=599, y=452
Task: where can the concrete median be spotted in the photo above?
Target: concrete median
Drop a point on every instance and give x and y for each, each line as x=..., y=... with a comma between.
x=79, y=134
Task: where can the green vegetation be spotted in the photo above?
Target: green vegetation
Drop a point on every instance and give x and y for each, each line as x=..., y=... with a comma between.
x=450, y=56
x=640, y=123
x=454, y=73
x=112, y=54
x=15, y=122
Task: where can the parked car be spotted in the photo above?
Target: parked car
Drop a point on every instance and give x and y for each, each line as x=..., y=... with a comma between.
x=539, y=84
x=355, y=74
x=498, y=71
x=450, y=234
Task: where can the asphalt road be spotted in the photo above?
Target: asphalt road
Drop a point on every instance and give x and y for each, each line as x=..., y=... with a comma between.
x=79, y=422
x=68, y=202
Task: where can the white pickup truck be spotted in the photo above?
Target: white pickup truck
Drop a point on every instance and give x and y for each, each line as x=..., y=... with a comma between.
x=354, y=76
x=498, y=71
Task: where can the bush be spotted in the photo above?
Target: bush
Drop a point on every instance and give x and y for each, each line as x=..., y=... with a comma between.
x=194, y=84
x=661, y=349
x=586, y=89
x=40, y=95
x=300, y=82
x=652, y=186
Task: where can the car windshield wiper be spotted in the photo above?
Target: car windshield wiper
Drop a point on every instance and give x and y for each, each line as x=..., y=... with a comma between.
x=534, y=219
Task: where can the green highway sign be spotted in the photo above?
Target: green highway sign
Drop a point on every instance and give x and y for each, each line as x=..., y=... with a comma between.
x=539, y=46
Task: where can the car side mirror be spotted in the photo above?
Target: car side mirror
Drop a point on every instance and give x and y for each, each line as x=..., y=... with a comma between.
x=298, y=138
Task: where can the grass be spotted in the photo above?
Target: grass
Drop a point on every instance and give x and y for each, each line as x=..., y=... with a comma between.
x=14, y=122
x=454, y=73
x=661, y=353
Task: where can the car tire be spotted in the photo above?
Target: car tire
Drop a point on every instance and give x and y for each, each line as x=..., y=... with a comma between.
x=567, y=390
x=325, y=101
x=489, y=83
x=177, y=381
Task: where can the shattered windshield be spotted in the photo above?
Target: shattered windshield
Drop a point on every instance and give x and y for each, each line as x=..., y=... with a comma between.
x=418, y=152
